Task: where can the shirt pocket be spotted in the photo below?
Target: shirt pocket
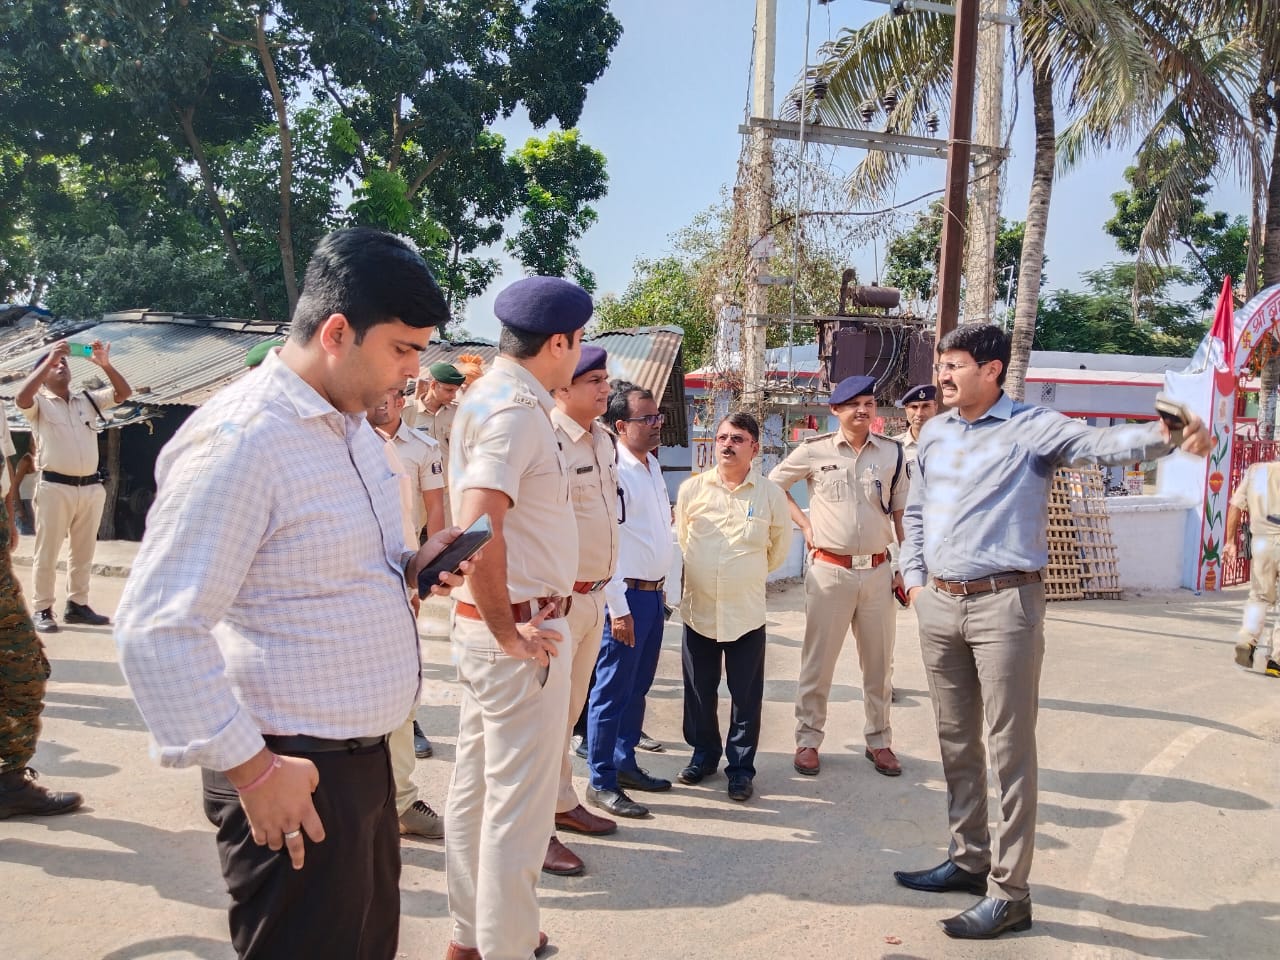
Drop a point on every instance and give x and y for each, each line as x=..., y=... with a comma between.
x=832, y=484
x=583, y=492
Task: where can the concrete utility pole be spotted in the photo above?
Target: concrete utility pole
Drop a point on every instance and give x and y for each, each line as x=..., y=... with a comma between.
x=760, y=209
x=955, y=203
x=984, y=212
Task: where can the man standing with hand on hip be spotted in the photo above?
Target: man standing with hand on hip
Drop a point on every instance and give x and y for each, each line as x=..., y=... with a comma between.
x=977, y=541
x=857, y=484
x=69, y=495
x=593, y=488
x=510, y=621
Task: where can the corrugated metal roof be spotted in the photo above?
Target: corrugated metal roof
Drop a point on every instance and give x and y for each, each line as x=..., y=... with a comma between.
x=167, y=358
x=646, y=356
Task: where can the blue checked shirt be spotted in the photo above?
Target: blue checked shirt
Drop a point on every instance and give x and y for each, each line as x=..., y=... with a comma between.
x=979, y=501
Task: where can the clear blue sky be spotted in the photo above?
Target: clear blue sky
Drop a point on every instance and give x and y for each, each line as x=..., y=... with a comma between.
x=666, y=116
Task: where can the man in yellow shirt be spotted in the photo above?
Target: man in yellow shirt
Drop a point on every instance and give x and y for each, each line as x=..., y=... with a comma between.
x=733, y=528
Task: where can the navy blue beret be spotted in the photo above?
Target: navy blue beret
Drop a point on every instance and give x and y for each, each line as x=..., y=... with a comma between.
x=851, y=387
x=919, y=394
x=593, y=358
x=543, y=305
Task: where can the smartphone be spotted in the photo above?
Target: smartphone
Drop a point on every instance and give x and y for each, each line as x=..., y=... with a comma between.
x=1175, y=415
x=81, y=349
x=450, y=559
x=900, y=595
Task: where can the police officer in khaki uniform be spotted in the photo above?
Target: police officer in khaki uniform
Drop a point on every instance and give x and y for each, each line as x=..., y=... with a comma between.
x=920, y=404
x=69, y=496
x=433, y=412
x=510, y=633
x=593, y=488
x=858, y=485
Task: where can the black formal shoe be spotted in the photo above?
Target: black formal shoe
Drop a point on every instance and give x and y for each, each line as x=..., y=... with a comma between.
x=617, y=803
x=695, y=773
x=44, y=622
x=638, y=779
x=740, y=789
x=946, y=877
x=83, y=613
x=579, y=745
x=989, y=918
x=421, y=745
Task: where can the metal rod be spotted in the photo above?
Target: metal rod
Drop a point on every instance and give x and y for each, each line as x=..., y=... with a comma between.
x=864, y=139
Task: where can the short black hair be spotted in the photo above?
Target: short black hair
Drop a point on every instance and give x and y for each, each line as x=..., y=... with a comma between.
x=982, y=341
x=521, y=344
x=743, y=421
x=620, y=394
x=370, y=277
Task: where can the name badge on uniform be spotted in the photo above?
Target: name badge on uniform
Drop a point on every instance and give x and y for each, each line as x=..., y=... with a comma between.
x=829, y=466
x=525, y=399
x=582, y=470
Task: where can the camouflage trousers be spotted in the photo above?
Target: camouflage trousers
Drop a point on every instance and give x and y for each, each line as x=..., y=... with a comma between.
x=23, y=667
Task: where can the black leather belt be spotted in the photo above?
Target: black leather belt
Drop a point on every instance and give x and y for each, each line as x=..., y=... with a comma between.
x=991, y=584
x=53, y=477
x=299, y=743
x=652, y=586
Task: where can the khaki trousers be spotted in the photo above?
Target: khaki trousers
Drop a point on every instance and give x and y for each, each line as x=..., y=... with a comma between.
x=501, y=806
x=983, y=652
x=400, y=746
x=586, y=627
x=63, y=510
x=836, y=599
x=1264, y=566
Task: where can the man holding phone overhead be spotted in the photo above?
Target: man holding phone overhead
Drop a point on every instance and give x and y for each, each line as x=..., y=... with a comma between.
x=510, y=621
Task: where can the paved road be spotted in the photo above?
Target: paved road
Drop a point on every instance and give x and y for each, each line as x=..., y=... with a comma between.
x=1158, y=836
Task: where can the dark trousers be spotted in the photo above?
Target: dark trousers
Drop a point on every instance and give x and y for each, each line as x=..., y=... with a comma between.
x=23, y=668
x=344, y=903
x=744, y=671
x=623, y=677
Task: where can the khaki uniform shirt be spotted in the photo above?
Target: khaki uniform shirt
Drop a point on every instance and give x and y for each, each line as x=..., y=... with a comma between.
x=731, y=540
x=910, y=446
x=66, y=430
x=424, y=466
x=852, y=496
x=504, y=441
x=1259, y=494
x=438, y=426
x=593, y=489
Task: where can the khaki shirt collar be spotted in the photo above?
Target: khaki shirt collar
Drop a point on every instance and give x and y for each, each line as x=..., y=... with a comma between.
x=571, y=427
x=842, y=439
x=519, y=372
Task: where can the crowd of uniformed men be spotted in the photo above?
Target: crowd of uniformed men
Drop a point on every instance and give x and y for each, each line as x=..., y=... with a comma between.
x=293, y=682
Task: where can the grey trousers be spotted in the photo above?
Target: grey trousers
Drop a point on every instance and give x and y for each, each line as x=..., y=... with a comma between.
x=983, y=653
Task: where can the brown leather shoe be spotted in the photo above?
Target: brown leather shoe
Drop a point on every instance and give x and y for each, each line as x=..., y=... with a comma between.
x=885, y=761
x=561, y=861
x=459, y=952
x=807, y=761
x=582, y=820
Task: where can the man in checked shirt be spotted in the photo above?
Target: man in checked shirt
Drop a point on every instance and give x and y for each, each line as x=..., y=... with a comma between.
x=266, y=630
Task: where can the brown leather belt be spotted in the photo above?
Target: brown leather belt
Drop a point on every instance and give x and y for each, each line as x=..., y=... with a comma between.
x=523, y=612
x=991, y=584
x=589, y=586
x=652, y=586
x=845, y=560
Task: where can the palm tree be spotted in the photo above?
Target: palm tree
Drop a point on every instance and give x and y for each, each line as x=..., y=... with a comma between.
x=1096, y=60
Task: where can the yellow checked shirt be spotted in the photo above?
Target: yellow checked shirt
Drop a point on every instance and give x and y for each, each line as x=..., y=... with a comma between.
x=731, y=540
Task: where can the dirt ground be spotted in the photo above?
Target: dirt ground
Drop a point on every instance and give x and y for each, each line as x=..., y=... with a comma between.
x=1158, y=829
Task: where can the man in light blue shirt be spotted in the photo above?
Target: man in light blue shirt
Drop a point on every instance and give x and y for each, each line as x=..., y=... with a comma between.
x=976, y=543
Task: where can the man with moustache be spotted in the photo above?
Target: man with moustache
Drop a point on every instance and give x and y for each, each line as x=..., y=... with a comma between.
x=510, y=621
x=857, y=483
x=265, y=629
x=593, y=488
x=733, y=529
x=976, y=542
x=920, y=404
x=634, y=608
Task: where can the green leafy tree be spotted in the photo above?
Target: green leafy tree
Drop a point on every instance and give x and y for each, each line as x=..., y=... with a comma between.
x=662, y=292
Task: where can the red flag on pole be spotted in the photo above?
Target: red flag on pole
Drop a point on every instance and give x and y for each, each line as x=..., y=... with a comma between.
x=1224, y=330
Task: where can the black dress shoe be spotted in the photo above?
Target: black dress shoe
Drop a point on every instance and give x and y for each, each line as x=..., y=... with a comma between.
x=695, y=773
x=44, y=622
x=946, y=877
x=83, y=613
x=617, y=803
x=740, y=789
x=640, y=780
x=989, y=918
x=421, y=745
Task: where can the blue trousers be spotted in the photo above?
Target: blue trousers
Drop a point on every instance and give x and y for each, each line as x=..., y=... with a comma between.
x=615, y=712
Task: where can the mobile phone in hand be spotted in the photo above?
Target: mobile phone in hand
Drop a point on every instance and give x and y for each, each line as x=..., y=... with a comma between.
x=80, y=349
x=450, y=559
x=1175, y=415
x=900, y=595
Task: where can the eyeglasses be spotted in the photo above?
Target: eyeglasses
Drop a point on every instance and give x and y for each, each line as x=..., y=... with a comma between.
x=953, y=367
x=652, y=419
x=737, y=439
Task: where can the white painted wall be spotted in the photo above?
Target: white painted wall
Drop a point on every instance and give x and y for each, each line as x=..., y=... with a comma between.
x=1149, y=534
